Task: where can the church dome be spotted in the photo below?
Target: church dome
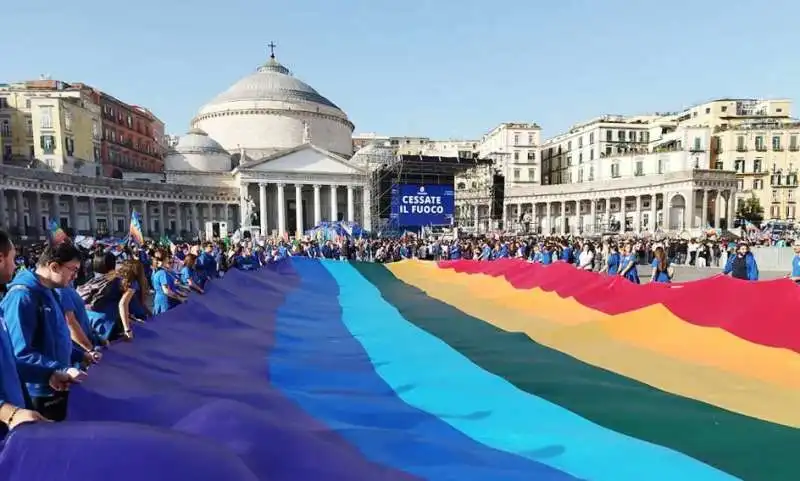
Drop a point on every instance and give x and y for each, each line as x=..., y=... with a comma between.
x=196, y=151
x=269, y=109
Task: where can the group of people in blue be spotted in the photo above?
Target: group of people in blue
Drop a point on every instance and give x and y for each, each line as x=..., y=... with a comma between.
x=53, y=327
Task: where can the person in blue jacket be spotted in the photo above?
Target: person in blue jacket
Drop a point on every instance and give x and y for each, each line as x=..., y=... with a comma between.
x=38, y=329
x=165, y=295
x=14, y=402
x=742, y=265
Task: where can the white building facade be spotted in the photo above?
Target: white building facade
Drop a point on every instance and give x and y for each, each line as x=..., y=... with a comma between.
x=269, y=154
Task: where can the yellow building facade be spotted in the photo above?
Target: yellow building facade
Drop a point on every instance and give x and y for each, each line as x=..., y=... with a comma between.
x=60, y=128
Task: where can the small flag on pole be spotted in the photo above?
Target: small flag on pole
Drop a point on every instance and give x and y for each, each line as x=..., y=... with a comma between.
x=55, y=233
x=135, y=229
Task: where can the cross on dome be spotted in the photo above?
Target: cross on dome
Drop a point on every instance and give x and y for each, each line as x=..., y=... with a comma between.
x=271, y=46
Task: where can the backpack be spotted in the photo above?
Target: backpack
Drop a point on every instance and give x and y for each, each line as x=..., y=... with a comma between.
x=95, y=292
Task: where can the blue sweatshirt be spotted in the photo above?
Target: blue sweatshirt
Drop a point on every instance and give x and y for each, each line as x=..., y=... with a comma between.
x=38, y=331
x=10, y=384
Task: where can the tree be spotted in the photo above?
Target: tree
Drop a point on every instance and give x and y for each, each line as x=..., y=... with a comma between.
x=751, y=210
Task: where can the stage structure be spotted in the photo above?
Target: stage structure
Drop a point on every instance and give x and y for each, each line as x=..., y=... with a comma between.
x=433, y=172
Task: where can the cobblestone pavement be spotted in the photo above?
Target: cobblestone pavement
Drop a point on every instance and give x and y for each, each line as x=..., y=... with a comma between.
x=688, y=273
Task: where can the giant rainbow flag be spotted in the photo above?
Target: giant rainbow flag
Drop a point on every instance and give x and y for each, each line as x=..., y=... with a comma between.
x=325, y=370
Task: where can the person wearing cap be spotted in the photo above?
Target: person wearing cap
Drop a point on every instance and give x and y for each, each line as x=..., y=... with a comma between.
x=742, y=265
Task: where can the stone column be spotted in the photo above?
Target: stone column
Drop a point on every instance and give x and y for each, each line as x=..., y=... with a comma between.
x=731, y=205
x=20, y=211
x=317, y=206
x=162, y=228
x=55, y=208
x=351, y=211
x=717, y=209
x=704, y=211
x=178, y=220
x=110, y=224
x=548, y=215
x=281, y=209
x=127, y=210
x=195, y=220
x=262, y=207
x=92, y=216
x=367, y=206
x=623, y=213
x=637, y=214
x=298, y=202
x=593, y=209
x=691, y=203
x=36, y=221
x=243, y=193
x=564, y=218
x=476, y=213
x=3, y=209
x=653, y=213
x=145, y=218
x=73, y=212
x=334, y=203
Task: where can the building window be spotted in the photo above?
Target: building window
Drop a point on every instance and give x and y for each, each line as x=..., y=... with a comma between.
x=639, y=168
x=530, y=139
x=46, y=119
x=69, y=145
x=97, y=154
x=758, y=184
x=6, y=152
x=532, y=175
x=739, y=165
x=68, y=120
x=609, y=136
x=516, y=174
x=775, y=211
x=95, y=130
x=740, y=147
x=591, y=154
x=621, y=135
x=608, y=150
x=591, y=173
x=632, y=136
x=591, y=137
x=760, y=143
x=30, y=128
x=580, y=157
x=776, y=143
x=790, y=195
x=569, y=146
x=580, y=175
x=130, y=122
x=531, y=155
x=516, y=154
x=757, y=166
x=48, y=143
x=775, y=195
x=697, y=144
x=580, y=142
x=5, y=128
x=614, y=170
x=719, y=165
x=793, y=142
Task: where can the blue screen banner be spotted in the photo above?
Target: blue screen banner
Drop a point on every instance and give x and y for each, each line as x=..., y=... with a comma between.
x=421, y=205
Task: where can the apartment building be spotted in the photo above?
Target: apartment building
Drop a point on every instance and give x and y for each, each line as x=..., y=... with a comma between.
x=51, y=124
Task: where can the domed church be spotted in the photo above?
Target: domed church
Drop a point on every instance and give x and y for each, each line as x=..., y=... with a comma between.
x=285, y=147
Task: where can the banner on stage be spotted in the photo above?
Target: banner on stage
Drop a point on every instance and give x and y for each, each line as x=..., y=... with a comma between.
x=420, y=205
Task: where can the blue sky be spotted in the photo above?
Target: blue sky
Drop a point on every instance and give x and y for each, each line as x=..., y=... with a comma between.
x=443, y=69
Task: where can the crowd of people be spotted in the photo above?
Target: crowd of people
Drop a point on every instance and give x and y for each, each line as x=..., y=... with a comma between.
x=64, y=303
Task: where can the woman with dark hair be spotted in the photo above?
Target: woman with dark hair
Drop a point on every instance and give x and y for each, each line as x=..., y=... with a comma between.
x=166, y=295
x=109, y=308
x=662, y=272
x=189, y=273
x=138, y=307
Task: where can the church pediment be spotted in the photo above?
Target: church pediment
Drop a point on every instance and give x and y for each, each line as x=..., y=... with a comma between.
x=303, y=159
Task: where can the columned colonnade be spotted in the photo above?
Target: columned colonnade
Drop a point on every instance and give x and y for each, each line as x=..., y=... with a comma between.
x=27, y=212
x=636, y=212
x=278, y=209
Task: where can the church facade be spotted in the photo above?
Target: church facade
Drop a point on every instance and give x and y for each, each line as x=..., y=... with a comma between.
x=269, y=154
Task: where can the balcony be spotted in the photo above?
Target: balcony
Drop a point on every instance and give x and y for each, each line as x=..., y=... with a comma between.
x=793, y=148
x=741, y=149
x=761, y=148
x=696, y=150
x=777, y=149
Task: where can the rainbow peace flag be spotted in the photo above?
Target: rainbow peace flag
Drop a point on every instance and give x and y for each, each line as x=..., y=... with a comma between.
x=135, y=229
x=505, y=370
x=55, y=234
